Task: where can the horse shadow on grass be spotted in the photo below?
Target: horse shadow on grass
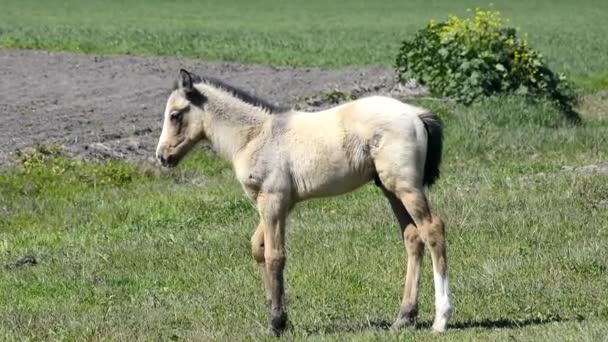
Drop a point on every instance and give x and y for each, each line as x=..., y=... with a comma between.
x=379, y=324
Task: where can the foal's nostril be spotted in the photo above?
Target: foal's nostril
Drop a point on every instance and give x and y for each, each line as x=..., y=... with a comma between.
x=170, y=161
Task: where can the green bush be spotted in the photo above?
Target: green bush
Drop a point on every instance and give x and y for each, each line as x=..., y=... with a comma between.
x=478, y=56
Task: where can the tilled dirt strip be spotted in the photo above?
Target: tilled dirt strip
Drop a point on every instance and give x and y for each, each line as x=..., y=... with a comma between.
x=100, y=107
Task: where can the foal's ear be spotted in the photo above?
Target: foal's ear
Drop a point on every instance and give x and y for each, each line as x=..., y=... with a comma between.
x=185, y=81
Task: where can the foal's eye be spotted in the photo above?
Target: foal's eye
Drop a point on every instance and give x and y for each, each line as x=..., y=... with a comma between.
x=176, y=116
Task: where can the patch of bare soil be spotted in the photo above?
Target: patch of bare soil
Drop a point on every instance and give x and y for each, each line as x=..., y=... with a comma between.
x=25, y=261
x=111, y=107
x=593, y=168
x=600, y=168
x=595, y=106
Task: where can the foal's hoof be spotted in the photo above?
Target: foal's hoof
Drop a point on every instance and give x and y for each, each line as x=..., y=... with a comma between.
x=439, y=327
x=407, y=317
x=278, y=322
x=402, y=322
x=440, y=324
x=441, y=318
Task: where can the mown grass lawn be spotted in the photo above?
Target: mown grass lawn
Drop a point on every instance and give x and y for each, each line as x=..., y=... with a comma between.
x=327, y=33
x=135, y=252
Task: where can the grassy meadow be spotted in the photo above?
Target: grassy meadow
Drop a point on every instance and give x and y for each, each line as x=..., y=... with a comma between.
x=326, y=33
x=135, y=252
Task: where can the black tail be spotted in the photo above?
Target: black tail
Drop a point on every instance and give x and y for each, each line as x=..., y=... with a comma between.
x=434, y=128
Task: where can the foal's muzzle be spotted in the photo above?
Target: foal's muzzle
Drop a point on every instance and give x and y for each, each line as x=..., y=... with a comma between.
x=170, y=161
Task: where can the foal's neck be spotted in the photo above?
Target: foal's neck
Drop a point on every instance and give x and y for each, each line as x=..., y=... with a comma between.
x=231, y=123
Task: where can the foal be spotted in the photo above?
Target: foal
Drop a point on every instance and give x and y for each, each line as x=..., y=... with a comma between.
x=281, y=157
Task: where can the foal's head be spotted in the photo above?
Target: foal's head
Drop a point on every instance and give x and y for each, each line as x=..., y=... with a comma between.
x=183, y=120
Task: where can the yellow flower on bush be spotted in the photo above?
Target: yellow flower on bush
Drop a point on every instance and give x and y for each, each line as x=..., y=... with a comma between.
x=482, y=25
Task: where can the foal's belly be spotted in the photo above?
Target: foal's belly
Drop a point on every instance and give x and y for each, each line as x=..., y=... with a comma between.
x=326, y=157
x=329, y=180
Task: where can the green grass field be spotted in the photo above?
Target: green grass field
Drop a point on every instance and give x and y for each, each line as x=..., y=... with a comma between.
x=138, y=252
x=134, y=252
x=327, y=33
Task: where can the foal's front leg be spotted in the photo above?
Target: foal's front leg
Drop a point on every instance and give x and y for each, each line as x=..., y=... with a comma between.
x=273, y=209
x=257, y=249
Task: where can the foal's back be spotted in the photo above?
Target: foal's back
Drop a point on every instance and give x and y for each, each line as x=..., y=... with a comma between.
x=331, y=152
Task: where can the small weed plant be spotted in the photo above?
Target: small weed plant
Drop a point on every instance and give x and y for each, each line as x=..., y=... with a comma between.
x=479, y=56
x=48, y=164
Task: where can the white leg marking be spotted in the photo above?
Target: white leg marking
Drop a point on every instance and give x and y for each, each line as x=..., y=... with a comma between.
x=443, y=303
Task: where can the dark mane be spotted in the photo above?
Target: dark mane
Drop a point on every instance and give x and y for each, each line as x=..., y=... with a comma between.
x=238, y=93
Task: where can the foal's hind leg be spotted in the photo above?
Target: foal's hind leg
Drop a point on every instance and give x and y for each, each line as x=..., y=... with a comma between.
x=434, y=238
x=429, y=227
x=415, y=252
x=257, y=249
x=431, y=230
